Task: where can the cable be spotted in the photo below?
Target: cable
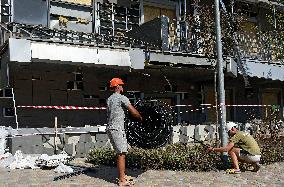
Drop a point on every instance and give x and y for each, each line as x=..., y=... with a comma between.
x=155, y=130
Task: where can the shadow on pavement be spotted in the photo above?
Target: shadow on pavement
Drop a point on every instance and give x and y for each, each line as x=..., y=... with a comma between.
x=110, y=174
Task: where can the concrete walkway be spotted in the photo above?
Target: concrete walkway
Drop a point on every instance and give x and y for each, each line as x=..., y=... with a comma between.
x=271, y=175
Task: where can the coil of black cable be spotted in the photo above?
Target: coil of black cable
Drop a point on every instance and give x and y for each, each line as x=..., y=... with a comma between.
x=155, y=130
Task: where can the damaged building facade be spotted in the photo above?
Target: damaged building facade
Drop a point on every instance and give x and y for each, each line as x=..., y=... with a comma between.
x=57, y=57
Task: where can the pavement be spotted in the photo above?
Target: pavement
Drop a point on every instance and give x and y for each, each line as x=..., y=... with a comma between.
x=269, y=175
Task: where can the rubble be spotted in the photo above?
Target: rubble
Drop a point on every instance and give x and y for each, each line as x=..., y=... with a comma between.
x=63, y=169
x=21, y=161
x=3, y=135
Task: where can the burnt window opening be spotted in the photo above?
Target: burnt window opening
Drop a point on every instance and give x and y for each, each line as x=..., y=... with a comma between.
x=103, y=88
x=77, y=84
x=102, y=101
x=78, y=77
x=8, y=112
x=8, y=92
x=70, y=85
x=36, y=77
x=169, y=88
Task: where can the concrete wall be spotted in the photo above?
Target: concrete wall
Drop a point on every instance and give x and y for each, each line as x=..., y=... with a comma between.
x=79, y=141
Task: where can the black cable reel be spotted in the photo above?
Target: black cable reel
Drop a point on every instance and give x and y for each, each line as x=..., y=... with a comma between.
x=155, y=130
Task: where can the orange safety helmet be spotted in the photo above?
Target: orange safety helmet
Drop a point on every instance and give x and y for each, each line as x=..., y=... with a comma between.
x=115, y=82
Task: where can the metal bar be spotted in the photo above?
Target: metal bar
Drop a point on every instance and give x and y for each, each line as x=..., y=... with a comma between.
x=112, y=18
x=55, y=137
x=141, y=16
x=221, y=89
x=15, y=108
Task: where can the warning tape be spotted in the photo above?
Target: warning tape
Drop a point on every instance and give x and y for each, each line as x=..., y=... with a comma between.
x=104, y=108
x=64, y=107
x=226, y=105
x=214, y=106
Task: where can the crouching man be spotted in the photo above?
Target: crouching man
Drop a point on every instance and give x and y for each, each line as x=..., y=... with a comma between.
x=242, y=147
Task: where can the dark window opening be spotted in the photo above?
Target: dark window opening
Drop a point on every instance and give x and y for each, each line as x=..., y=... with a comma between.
x=70, y=85
x=1, y=93
x=103, y=88
x=102, y=101
x=8, y=92
x=79, y=85
x=169, y=88
x=36, y=77
x=8, y=112
x=185, y=96
x=78, y=77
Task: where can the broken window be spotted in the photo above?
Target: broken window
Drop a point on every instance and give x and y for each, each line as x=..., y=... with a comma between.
x=77, y=84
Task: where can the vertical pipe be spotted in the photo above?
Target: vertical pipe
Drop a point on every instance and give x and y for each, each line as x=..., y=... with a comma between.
x=126, y=19
x=15, y=109
x=274, y=16
x=48, y=13
x=221, y=89
x=141, y=10
x=55, y=135
x=112, y=18
x=216, y=103
x=184, y=17
x=93, y=16
x=178, y=109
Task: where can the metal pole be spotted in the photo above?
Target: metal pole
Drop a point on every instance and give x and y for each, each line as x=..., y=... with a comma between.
x=55, y=135
x=274, y=16
x=221, y=90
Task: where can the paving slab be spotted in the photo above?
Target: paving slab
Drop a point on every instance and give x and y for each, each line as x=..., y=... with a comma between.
x=270, y=175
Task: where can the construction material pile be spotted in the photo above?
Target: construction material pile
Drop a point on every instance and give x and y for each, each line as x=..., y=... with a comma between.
x=21, y=161
x=3, y=135
x=155, y=130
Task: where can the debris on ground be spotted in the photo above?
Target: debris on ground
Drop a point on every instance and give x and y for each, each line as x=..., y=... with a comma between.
x=22, y=161
x=62, y=168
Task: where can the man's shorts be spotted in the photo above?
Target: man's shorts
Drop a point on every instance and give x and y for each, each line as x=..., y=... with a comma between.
x=118, y=140
x=244, y=155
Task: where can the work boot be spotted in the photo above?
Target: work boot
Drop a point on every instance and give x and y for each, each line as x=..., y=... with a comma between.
x=256, y=167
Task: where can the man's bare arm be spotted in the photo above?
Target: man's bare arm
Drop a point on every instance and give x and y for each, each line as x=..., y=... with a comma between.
x=222, y=149
x=134, y=112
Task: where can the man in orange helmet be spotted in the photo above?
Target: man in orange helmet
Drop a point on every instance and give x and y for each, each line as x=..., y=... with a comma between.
x=116, y=105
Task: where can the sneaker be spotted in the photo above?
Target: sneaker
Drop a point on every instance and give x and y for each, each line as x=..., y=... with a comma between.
x=256, y=167
x=233, y=171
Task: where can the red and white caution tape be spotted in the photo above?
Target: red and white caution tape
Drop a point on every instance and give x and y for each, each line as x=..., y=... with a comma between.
x=104, y=108
x=214, y=106
x=210, y=105
x=64, y=107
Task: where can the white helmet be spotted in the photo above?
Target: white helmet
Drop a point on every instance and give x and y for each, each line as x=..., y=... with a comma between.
x=230, y=125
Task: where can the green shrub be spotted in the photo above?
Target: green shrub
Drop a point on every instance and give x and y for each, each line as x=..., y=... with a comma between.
x=182, y=157
x=272, y=149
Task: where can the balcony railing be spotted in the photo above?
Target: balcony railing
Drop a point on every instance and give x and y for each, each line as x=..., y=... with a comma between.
x=260, y=46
